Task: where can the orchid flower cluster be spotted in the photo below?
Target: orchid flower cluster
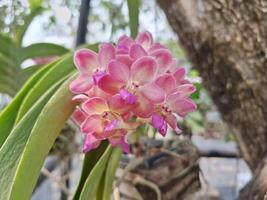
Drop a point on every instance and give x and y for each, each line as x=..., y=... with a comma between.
x=126, y=85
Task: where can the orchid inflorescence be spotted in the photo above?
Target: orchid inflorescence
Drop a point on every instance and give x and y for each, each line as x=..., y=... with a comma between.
x=126, y=85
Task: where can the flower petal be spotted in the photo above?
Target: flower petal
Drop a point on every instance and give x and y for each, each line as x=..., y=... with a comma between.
x=144, y=107
x=126, y=41
x=183, y=106
x=159, y=123
x=119, y=71
x=143, y=70
x=120, y=142
x=86, y=61
x=118, y=105
x=153, y=92
x=79, y=98
x=106, y=53
x=81, y=84
x=163, y=58
x=155, y=47
x=186, y=89
x=166, y=82
x=78, y=116
x=137, y=51
x=171, y=120
x=110, y=85
x=90, y=143
x=125, y=59
x=93, y=124
x=128, y=97
x=179, y=74
x=95, y=105
x=145, y=39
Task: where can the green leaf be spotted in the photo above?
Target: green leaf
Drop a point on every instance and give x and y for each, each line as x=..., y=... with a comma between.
x=133, y=10
x=41, y=49
x=9, y=114
x=52, y=119
x=91, y=185
x=110, y=172
x=11, y=150
x=90, y=159
x=7, y=45
x=62, y=68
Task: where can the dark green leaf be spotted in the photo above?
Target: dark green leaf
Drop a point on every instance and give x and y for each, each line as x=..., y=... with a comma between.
x=90, y=159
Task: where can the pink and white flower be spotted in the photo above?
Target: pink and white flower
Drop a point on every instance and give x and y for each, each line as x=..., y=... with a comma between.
x=135, y=79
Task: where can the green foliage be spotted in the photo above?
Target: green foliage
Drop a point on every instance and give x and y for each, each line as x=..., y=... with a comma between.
x=13, y=54
x=133, y=9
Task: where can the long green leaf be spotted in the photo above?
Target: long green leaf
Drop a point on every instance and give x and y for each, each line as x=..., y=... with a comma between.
x=110, y=172
x=57, y=71
x=91, y=185
x=48, y=125
x=41, y=49
x=9, y=114
x=11, y=150
x=133, y=10
x=90, y=159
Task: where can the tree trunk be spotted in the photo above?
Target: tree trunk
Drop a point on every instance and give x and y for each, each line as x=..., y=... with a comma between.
x=226, y=40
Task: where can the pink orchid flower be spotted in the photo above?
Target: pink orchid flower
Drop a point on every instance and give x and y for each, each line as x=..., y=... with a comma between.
x=135, y=79
x=134, y=83
x=176, y=102
x=92, y=67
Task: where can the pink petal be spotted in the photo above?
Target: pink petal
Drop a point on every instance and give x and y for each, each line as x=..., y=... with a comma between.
x=106, y=53
x=78, y=116
x=81, y=84
x=183, y=106
x=155, y=47
x=120, y=142
x=86, y=61
x=125, y=41
x=166, y=82
x=128, y=97
x=80, y=98
x=90, y=143
x=143, y=70
x=118, y=105
x=95, y=105
x=119, y=71
x=153, y=92
x=137, y=51
x=145, y=39
x=144, y=107
x=179, y=74
x=163, y=58
x=125, y=59
x=171, y=120
x=110, y=85
x=173, y=66
x=159, y=123
x=93, y=123
x=186, y=89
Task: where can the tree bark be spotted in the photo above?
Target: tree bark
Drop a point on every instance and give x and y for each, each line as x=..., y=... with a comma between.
x=226, y=40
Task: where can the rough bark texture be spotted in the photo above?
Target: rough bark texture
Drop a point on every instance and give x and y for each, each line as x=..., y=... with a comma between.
x=226, y=40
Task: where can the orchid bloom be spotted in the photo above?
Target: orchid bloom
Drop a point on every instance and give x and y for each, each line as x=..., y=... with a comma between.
x=92, y=67
x=135, y=79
